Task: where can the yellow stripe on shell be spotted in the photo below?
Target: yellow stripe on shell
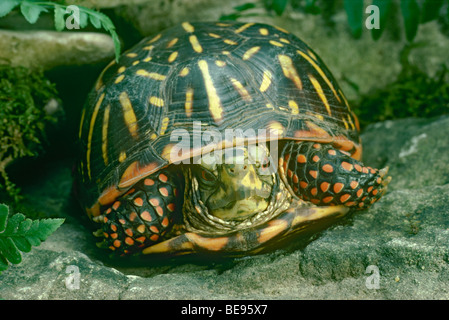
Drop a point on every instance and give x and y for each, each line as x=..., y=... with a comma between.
x=281, y=29
x=293, y=106
x=289, y=70
x=244, y=27
x=189, y=102
x=104, y=142
x=155, y=38
x=320, y=92
x=83, y=114
x=313, y=114
x=164, y=125
x=345, y=123
x=152, y=75
x=266, y=81
x=195, y=44
x=91, y=131
x=158, y=102
x=119, y=78
x=351, y=122
x=173, y=56
x=128, y=113
x=250, y=52
x=263, y=31
x=215, y=106
x=321, y=73
x=99, y=82
x=241, y=89
x=214, y=35
x=122, y=156
x=185, y=71
x=220, y=63
x=172, y=43
x=188, y=27
x=231, y=42
x=275, y=43
x=344, y=99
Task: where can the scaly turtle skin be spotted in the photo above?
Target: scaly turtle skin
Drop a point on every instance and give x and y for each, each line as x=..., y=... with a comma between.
x=218, y=137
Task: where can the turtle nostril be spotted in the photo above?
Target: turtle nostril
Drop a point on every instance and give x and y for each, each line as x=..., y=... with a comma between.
x=244, y=167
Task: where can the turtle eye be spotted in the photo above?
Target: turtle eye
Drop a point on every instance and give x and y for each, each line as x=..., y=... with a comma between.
x=264, y=168
x=207, y=176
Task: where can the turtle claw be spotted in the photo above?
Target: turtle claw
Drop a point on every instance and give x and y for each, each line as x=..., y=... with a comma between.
x=103, y=244
x=98, y=219
x=383, y=172
x=386, y=181
x=99, y=233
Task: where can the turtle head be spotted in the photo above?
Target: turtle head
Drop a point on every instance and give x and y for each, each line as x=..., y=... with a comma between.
x=233, y=185
x=238, y=186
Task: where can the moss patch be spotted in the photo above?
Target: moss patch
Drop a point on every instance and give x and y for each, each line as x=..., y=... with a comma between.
x=413, y=94
x=23, y=97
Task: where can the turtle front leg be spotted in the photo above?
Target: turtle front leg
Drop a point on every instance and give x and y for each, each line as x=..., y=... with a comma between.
x=142, y=216
x=323, y=175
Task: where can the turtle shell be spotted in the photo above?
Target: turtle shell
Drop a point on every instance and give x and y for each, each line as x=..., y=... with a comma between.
x=202, y=76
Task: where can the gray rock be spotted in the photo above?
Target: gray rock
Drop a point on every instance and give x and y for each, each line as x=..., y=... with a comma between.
x=48, y=49
x=403, y=239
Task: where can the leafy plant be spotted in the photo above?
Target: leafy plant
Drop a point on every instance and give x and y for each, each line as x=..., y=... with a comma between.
x=413, y=94
x=31, y=10
x=23, y=96
x=413, y=12
x=19, y=234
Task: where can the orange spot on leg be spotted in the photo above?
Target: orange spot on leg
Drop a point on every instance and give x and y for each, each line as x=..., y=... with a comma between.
x=301, y=158
x=328, y=199
x=148, y=182
x=324, y=186
x=354, y=184
x=145, y=215
x=347, y=166
x=116, y=205
x=163, y=191
x=345, y=198
x=138, y=202
x=163, y=177
x=338, y=187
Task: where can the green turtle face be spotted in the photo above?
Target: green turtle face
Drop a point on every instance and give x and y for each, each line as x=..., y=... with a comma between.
x=237, y=183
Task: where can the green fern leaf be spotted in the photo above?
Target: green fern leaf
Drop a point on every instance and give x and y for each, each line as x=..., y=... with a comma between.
x=6, y=6
x=31, y=11
x=59, y=18
x=19, y=234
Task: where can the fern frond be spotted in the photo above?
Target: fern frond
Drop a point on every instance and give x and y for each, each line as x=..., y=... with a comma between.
x=19, y=234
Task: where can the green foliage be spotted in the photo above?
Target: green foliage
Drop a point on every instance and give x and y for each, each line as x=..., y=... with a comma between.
x=31, y=9
x=23, y=95
x=413, y=94
x=413, y=12
x=354, y=11
x=19, y=234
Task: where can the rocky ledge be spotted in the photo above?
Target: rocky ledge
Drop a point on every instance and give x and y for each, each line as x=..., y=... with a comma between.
x=399, y=249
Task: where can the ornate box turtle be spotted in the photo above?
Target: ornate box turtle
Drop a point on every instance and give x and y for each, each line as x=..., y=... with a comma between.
x=218, y=137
